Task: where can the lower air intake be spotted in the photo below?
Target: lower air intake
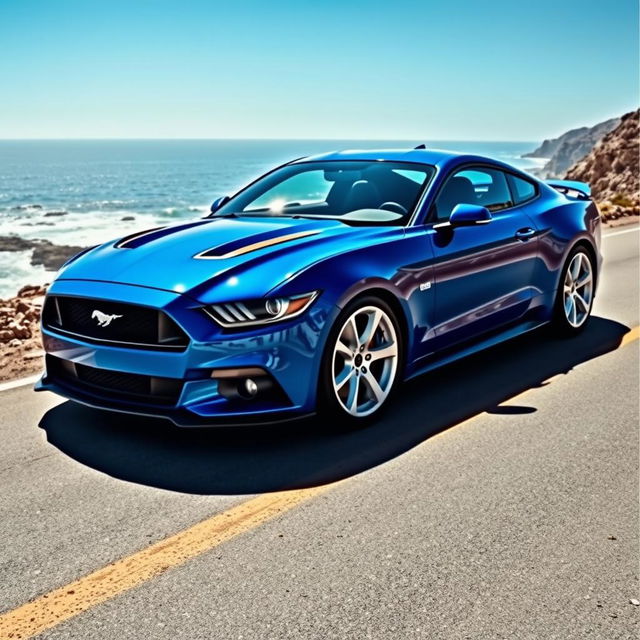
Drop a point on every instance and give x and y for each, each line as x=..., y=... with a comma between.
x=115, y=385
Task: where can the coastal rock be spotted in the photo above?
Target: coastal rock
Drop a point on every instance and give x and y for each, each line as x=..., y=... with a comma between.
x=31, y=291
x=127, y=218
x=55, y=214
x=612, y=169
x=570, y=147
x=51, y=256
x=26, y=207
x=36, y=353
x=18, y=318
x=37, y=224
x=22, y=307
x=15, y=243
x=20, y=343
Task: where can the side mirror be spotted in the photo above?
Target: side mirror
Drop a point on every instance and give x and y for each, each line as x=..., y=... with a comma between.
x=467, y=215
x=219, y=202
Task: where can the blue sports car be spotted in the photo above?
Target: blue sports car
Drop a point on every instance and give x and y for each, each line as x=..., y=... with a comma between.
x=321, y=287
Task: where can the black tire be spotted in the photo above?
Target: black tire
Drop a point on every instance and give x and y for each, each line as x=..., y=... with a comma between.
x=329, y=408
x=560, y=323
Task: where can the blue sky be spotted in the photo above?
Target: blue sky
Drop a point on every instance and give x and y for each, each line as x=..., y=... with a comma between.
x=428, y=69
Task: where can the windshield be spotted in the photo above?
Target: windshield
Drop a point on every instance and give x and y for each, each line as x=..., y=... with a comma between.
x=365, y=192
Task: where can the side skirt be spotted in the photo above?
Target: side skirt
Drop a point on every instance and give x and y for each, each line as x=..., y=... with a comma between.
x=468, y=348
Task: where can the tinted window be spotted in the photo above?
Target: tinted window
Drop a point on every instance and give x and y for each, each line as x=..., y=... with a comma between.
x=521, y=189
x=482, y=186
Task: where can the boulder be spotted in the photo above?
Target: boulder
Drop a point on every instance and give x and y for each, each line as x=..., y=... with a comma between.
x=52, y=256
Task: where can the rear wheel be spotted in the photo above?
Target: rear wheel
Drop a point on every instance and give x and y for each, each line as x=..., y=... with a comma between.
x=574, y=298
x=361, y=363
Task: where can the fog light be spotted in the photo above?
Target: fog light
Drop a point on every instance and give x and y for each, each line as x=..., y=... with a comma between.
x=247, y=384
x=250, y=387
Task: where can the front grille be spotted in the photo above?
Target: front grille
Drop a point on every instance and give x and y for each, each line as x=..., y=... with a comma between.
x=115, y=385
x=120, y=323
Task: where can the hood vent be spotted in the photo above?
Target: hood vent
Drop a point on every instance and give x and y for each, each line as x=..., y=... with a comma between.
x=136, y=240
x=240, y=247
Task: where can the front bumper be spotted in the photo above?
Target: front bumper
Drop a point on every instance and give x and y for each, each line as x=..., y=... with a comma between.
x=289, y=353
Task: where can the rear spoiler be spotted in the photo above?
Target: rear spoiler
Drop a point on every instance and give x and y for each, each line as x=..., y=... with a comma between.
x=571, y=188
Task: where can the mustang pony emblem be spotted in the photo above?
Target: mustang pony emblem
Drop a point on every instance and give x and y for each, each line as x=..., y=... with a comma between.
x=104, y=320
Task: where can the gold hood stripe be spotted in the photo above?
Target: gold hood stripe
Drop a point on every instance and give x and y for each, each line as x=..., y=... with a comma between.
x=255, y=246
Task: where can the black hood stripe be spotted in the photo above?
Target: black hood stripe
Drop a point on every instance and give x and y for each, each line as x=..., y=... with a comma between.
x=136, y=240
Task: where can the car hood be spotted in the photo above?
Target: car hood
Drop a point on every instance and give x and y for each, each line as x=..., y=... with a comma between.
x=221, y=258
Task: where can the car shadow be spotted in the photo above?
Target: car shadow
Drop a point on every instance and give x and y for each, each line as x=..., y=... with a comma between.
x=248, y=460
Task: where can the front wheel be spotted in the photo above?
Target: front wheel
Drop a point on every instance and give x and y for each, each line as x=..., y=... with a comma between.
x=574, y=298
x=361, y=363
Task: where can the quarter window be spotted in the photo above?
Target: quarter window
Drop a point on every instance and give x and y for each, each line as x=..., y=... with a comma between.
x=478, y=185
x=521, y=189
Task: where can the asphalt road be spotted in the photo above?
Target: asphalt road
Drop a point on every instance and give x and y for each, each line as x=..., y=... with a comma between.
x=499, y=499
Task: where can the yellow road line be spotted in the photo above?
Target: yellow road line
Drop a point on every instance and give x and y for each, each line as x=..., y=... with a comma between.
x=50, y=609
x=68, y=601
x=630, y=336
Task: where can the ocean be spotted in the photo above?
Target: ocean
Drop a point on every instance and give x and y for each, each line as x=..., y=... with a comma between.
x=84, y=192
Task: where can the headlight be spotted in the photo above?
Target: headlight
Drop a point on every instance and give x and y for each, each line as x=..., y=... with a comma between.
x=264, y=311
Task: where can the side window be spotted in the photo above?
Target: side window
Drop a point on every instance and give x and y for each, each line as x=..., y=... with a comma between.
x=478, y=185
x=521, y=189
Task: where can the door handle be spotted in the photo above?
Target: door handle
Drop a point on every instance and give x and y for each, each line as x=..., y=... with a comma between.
x=525, y=234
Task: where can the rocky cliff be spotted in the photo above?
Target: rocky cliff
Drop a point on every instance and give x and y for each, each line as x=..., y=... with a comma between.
x=566, y=150
x=612, y=168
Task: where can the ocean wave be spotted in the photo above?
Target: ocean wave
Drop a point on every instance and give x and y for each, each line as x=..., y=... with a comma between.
x=105, y=204
x=538, y=162
x=79, y=228
x=16, y=270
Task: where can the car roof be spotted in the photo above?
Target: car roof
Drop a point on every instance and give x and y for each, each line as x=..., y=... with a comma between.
x=434, y=157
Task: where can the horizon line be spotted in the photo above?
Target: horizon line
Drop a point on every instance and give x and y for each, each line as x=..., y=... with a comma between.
x=265, y=139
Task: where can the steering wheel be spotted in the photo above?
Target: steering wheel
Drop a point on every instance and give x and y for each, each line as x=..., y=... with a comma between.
x=393, y=206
